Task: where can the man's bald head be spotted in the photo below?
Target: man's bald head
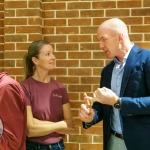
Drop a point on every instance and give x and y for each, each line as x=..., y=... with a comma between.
x=115, y=24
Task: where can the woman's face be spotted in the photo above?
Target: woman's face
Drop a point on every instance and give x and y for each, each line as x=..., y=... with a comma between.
x=46, y=59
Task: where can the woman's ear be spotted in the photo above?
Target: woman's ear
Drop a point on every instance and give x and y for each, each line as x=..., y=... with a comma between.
x=35, y=60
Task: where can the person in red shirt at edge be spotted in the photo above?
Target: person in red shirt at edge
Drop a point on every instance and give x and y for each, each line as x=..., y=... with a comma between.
x=12, y=114
x=48, y=110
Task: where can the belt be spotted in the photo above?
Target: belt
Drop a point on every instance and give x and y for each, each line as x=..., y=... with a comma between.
x=39, y=145
x=116, y=134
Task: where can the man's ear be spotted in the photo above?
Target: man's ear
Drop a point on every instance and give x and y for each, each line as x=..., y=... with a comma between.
x=121, y=37
x=35, y=60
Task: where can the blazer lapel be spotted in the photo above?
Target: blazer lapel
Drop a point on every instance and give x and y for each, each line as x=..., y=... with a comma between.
x=131, y=61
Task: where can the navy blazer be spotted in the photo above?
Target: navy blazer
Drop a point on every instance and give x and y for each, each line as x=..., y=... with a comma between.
x=135, y=94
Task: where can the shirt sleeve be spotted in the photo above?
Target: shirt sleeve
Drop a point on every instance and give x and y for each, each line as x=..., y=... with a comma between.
x=12, y=118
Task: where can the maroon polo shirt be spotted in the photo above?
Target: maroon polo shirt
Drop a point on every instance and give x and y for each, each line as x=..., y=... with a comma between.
x=46, y=101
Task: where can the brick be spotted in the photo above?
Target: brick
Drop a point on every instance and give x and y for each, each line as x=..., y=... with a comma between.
x=144, y=44
x=19, y=63
x=129, y=4
x=22, y=46
x=28, y=12
x=67, y=14
x=28, y=29
x=98, y=139
x=146, y=20
x=15, y=38
x=2, y=38
x=1, y=7
x=99, y=55
x=92, y=63
x=56, y=39
x=60, y=55
x=35, y=21
x=9, y=46
x=1, y=64
x=33, y=37
x=91, y=146
x=1, y=21
x=9, y=13
x=89, y=46
x=67, y=47
x=136, y=37
x=77, y=104
x=146, y=3
x=116, y=13
x=79, y=5
x=102, y=5
x=54, y=6
x=67, y=63
x=132, y=20
x=1, y=55
x=60, y=71
x=1, y=31
x=90, y=80
x=9, y=29
x=15, y=4
x=80, y=138
x=54, y=22
x=67, y=30
x=79, y=88
x=97, y=71
x=75, y=113
x=73, y=96
x=88, y=30
x=79, y=71
x=79, y=55
x=14, y=54
x=48, y=30
x=147, y=37
x=67, y=80
x=79, y=22
x=140, y=12
x=14, y=71
x=15, y=21
x=73, y=146
x=48, y=14
x=9, y=63
x=79, y=38
x=140, y=29
x=92, y=13
x=1, y=15
x=98, y=21
x=34, y=4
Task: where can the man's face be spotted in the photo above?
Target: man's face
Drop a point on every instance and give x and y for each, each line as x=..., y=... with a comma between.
x=109, y=42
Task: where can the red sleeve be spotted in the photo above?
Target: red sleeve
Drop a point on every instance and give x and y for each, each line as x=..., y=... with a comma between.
x=12, y=113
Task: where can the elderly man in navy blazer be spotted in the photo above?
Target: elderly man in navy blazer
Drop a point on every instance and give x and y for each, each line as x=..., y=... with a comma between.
x=123, y=100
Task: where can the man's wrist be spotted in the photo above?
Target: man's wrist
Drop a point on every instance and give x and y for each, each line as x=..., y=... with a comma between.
x=118, y=103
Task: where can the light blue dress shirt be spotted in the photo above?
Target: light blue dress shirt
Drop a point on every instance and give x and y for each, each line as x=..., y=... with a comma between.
x=117, y=74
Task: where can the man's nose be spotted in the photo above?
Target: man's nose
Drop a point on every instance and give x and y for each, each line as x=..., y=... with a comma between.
x=101, y=45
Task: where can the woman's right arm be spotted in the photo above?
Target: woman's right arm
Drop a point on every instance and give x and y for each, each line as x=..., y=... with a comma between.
x=40, y=128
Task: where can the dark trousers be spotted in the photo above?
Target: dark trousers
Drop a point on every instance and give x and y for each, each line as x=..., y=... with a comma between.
x=37, y=146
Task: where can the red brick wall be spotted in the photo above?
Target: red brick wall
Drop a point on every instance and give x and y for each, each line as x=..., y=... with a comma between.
x=71, y=28
x=1, y=35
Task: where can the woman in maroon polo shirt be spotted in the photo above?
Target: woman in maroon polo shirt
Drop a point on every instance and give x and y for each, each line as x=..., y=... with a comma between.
x=48, y=109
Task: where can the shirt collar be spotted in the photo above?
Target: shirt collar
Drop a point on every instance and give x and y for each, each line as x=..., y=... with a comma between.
x=125, y=57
